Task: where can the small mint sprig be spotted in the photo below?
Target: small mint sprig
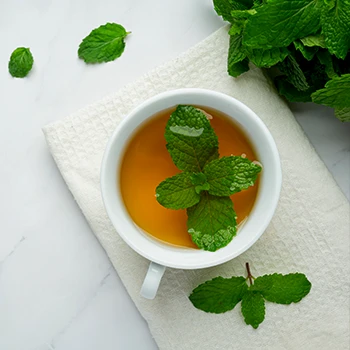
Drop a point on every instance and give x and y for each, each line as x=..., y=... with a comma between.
x=223, y=294
x=207, y=181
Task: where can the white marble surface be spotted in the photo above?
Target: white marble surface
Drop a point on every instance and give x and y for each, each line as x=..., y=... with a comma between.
x=57, y=287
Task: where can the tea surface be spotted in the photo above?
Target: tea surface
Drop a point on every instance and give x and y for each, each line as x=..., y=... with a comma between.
x=147, y=162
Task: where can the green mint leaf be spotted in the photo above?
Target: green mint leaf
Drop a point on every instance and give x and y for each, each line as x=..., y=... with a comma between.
x=343, y=114
x=282, y=289
x=335, y=93
x=238, y=20
x=242, y=14
x=199, y=180
x=335, y=21
x=212, y=222
x=237, y=63
x=219, y=294
x=280, y=22
x=290, y=92
x=295, y=75
x=204, y=187
x=307, y=52
x=236, y=27
x=314, y=40
x=21, y=62
x=177, y=192
x=265, y=58
x=103, y=44
x=253, y=308
x=258, y=3
x=191, y=141
x=238, y=68
x=229, y=175
x=224, y=7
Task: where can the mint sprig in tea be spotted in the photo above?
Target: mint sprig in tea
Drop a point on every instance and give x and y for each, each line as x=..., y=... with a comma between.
x=192, y=185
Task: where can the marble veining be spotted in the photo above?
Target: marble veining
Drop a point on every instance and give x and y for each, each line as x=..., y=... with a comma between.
x=13, y=250
x=83, y=307
x=58, y=290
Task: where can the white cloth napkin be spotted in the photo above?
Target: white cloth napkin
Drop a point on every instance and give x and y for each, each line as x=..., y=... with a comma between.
x=309, y=232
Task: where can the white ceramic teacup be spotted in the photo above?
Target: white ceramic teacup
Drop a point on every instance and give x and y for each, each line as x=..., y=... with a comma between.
x=162, y=255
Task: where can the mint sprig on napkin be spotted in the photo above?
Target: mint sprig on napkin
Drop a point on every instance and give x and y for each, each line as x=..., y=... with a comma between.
x=204, y=186
x=220, y=294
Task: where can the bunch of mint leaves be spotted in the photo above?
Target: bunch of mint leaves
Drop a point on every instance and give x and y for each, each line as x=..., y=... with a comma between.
x=206, y=181
x=304, y=45
x=223, y=294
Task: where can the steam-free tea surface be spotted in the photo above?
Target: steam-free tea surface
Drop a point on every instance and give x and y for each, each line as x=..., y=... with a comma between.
x=147, y=162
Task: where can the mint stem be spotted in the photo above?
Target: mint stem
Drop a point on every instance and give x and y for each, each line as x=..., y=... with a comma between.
x=249, y=275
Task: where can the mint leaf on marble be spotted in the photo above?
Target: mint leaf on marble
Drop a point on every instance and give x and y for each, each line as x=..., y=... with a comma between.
x=343, y=114
x=336, y=93
x=21, y=62
x=223, y=294
x=103, y=44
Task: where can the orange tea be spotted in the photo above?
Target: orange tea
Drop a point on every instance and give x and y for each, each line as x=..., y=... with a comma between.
x=147, y=162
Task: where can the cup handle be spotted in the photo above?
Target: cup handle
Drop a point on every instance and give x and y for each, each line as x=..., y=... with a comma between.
x=152, y=280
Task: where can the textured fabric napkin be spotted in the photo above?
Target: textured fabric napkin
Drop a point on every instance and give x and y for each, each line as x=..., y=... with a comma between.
x=309, y=232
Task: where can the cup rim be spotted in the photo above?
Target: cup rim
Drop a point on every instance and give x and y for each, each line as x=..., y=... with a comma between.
x=181, y=257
